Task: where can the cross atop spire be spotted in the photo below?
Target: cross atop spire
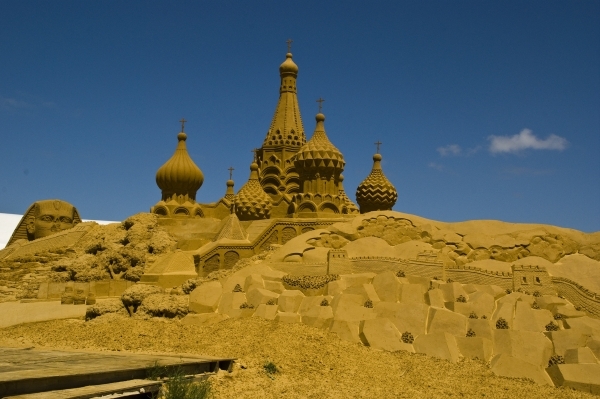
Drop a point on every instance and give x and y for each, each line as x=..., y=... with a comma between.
x=231, y=169
x=289, y=44
x=320, y=101
x=378, y=143
x=183, y=121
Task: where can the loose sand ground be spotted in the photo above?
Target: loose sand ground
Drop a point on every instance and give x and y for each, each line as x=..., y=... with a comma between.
x=313, y=363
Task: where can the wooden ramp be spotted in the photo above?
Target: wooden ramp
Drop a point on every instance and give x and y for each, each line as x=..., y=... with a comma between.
x=128, y=389
x=28, y=371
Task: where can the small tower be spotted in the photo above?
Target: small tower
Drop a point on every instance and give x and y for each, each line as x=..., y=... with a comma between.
x=230, y=193
x=351, y=207
x=251, y=202
x=376, y=193
x=179, y=179
x=319, y=164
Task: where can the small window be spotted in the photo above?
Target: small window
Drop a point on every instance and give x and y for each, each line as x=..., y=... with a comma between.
x=524, y=280
x=538, y=281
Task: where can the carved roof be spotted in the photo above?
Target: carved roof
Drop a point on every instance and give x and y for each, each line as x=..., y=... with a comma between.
x=376, y=193
x=251, y=202
x=319, y=152
x=286, y=127
x=232, y=229
x=179, y=175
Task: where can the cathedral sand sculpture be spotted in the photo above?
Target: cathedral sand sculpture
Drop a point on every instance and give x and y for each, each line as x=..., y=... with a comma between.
x=291, y=246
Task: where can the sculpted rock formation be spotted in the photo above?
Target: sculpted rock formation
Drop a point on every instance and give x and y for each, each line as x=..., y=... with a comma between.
x=44, y=218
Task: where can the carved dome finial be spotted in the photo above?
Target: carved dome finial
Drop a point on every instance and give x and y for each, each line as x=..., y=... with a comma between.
x=376, y=193
x=288, y=66
x=179, y=175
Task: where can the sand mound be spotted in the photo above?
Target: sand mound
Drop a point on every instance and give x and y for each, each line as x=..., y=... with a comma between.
x=311, y=363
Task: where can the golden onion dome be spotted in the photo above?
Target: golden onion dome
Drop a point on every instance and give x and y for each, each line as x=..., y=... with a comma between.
x=288, y=66
x=319, y=152
x=376, y=193
x=179, y=175
x=251, y=202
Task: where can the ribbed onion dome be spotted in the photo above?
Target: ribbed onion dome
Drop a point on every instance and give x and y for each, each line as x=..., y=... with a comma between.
x=376, y=193
x=179, y=175
x=318, y=152
x=351, y=206
x=229, y=193
x=251, y=202
x=288, y=66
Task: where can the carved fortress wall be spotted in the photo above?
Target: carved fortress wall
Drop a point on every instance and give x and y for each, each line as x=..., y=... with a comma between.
x=475, y=275
x=578, y=295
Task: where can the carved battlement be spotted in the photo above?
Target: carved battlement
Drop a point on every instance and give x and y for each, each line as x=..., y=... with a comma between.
x=480, y=270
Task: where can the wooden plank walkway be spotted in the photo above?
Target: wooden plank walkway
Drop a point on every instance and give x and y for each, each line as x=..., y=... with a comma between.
x=132, y=387
x=24, y=371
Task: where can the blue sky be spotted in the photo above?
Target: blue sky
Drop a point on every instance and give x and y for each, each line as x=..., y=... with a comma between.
x=486, y=110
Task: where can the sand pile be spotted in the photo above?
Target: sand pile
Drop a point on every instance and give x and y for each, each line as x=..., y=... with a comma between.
x=311, y=363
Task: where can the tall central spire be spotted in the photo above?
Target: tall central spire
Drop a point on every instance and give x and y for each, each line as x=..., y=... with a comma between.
x=286, y=126
x=277, y=174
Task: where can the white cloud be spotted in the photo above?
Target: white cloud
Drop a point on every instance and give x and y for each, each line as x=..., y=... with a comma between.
x=13, y=103
x=525, y=140
x=474, y=150
x=436, y=166
x=451, y=149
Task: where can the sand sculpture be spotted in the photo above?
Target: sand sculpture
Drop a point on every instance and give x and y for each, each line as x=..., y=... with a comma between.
x=179, y=179
x=44, y=218
x=376, y=193
x=297, y=178
x=291, y=247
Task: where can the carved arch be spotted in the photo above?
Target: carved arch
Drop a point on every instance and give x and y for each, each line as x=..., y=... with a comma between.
x=328, y=207
x=307, y=207
x=270, y=170
x=161, y=211
x=270, y=180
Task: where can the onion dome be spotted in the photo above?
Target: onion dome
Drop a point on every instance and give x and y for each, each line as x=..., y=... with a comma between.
x=288, y=66
x=350, y=206
x=179, y=175
x=318, y=152
x=376, y=193
x=229, y=194
x=251, y=202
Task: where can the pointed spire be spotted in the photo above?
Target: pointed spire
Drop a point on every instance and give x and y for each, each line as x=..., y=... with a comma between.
x=179, y=175
x=376, y=193
x=286, y=126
